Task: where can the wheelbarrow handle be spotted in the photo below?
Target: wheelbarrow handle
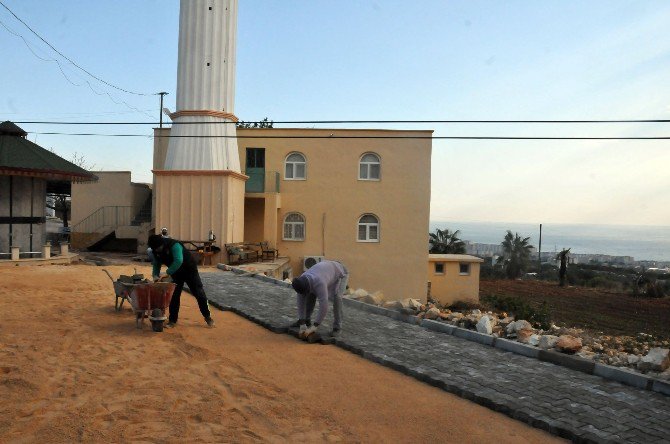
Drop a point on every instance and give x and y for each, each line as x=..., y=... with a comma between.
x=108, y=274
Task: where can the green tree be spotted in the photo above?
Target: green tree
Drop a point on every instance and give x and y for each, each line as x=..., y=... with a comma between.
x=516, y=254
x=562, y=272
x=265, y=123
x=60, y=202
x=445, y=242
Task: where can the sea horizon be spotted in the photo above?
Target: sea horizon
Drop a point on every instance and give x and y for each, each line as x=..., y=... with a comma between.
x=642, y=242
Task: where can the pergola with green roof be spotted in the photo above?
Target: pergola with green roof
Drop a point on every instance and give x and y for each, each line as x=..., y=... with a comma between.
x=27, y=173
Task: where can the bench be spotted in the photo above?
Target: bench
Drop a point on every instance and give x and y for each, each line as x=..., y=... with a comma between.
x=243, y=251
x=268, y=252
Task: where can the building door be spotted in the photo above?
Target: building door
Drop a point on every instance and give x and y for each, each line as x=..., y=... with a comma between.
x=255, y=169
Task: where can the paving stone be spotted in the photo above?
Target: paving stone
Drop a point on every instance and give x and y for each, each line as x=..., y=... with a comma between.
x=586, y=408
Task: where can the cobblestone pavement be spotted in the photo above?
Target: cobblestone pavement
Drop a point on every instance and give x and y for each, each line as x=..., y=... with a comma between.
x=574, y=405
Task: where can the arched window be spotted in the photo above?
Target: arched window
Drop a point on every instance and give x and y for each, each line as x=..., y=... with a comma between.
x=294, y=227
x=368, y=228
x=369, y=167
x=296, y=166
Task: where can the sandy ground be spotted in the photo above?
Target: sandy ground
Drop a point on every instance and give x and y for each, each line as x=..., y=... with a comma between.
x=72, y=369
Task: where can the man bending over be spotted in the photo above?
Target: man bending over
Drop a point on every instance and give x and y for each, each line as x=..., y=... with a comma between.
x=183, y=269
x=325, y=280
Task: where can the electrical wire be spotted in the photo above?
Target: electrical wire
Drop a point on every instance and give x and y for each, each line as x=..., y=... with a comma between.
x=293, y=122
x=357, y=137
x=67, y=78
x=72, y=61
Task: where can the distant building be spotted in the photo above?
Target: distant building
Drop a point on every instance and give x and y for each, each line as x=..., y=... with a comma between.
x=601, y=259
x=111, y=210
x=454, y=277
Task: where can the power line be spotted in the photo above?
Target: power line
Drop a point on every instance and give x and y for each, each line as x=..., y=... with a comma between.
x=360, y=137
x=70, y=60
x=292, y=122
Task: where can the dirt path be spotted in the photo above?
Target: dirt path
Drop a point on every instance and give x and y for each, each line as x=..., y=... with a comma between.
x=71, y=369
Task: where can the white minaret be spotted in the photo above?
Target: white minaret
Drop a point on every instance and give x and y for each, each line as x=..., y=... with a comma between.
x=205, y=88
x=200, y=188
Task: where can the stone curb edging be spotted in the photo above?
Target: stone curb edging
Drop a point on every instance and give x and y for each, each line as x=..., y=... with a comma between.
x=572, y=362
x=518, y=412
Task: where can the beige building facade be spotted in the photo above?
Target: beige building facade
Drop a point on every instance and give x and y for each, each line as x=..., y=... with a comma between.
x=112, y=203
x=358, y=196
x=454, y=277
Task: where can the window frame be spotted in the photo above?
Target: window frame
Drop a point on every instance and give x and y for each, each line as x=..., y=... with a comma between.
x=368, y=164
x=367, y=225
x=444, y=268
x=460, y=269
x=293, y=224
x=293, y=166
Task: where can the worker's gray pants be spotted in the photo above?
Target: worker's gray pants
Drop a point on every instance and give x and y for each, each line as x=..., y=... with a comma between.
x=306, y=303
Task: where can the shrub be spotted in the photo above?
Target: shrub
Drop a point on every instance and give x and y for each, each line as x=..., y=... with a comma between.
x=655, y=290
x=520, y=309
x=463, y=305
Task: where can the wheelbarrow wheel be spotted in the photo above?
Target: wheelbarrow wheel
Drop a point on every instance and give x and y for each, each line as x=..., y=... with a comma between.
x=157, y=319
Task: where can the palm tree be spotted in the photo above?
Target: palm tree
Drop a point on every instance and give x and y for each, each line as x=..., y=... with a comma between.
x=563, y=257
x=516, y=254
x=444, y=242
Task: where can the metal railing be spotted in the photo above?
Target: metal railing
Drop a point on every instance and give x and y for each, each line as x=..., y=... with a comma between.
x=111, y=216
x=262, y=182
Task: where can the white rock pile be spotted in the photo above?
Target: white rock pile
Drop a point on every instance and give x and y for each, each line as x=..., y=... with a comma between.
x=642, y=353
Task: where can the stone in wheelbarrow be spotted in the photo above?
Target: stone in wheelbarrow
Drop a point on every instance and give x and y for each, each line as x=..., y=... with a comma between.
x=314, y=338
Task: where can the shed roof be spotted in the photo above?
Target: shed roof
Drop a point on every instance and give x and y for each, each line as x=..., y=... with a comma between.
x=21, y=157
x=453, y=258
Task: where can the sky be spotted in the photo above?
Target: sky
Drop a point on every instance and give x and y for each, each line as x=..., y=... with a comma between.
x=384, y=60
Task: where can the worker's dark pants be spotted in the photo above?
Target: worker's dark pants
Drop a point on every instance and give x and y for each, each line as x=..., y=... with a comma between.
x=194, y=283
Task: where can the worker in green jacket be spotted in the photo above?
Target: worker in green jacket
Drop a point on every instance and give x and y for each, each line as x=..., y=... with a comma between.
x=182, y=268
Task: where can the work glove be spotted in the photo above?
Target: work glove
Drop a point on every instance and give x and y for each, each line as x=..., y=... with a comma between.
x=310, y=330
x=155, y=278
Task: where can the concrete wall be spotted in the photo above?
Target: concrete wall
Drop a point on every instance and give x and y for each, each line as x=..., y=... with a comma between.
x=190, y=205
x=452, y=286
x=113, y=188
x=28, y=199
x=254, y=218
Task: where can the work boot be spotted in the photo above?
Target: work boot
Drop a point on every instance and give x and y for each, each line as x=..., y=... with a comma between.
x=170, y=325
x=210, y=322
x=335, y=333
x=297, y=323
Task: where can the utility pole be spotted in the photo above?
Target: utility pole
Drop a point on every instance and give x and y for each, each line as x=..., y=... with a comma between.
x=539, y=254
x=160, y=111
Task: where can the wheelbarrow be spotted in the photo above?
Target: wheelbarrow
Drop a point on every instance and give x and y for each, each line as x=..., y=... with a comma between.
x=123, y=286
x=151, y=300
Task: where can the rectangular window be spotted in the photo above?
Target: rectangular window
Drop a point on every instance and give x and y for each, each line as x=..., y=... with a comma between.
x=288, y=231
x=299, y=231
x=374, y=171
x=439, y=268
x=300, y=170
x=289, y=171
x=363, y=173
x=464, y=269
x=373, y=232
x=361, y=232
